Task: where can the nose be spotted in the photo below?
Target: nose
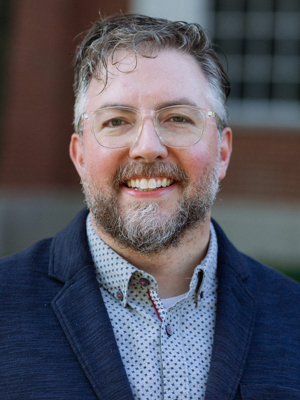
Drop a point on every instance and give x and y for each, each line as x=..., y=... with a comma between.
x=148, y=146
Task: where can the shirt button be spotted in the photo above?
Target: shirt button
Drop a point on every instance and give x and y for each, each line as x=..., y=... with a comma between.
x=120, y=295
x=144, y=282
x=169, y=330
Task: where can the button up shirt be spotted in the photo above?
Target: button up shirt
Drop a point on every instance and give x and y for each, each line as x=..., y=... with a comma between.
x=166, y=352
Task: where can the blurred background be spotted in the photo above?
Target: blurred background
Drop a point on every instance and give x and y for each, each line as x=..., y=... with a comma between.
x=259, y=204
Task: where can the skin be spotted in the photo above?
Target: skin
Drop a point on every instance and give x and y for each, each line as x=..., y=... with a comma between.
x=169, y=78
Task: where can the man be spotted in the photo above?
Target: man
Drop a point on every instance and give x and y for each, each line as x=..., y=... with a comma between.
x=143, y=297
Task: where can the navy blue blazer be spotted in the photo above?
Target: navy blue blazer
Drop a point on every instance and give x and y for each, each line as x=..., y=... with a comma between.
x=56, y=339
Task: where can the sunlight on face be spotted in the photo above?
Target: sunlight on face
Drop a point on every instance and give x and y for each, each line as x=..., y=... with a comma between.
x=148, y=196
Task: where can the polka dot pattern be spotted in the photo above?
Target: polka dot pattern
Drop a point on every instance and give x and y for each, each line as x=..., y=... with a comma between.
x=166, y=352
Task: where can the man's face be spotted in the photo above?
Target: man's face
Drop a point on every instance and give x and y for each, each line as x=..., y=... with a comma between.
x=150, y=220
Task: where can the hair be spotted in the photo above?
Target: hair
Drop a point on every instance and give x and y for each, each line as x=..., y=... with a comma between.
x=145, y=36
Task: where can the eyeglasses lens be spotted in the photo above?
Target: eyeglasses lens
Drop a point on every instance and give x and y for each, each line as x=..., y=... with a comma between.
x=175, y=126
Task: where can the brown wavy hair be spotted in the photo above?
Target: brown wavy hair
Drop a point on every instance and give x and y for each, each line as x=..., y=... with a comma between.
x=145, y=36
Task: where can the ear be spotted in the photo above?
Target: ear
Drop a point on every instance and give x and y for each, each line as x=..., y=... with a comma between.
x=225, y=151
x=76, y=152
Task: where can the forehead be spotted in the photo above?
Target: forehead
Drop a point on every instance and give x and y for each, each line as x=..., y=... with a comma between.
x=141, y=82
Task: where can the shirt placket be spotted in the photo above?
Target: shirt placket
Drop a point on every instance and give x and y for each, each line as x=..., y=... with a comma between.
x=173, y=361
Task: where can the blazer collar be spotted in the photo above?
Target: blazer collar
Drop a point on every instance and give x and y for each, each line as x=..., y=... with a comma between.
x=69, y=249
x=235, y=318
x=82, y=314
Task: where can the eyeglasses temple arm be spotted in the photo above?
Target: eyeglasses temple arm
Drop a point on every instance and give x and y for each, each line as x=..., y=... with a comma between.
x=217, y=118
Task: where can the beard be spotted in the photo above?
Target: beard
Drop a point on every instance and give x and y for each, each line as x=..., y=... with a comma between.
x=144, y=226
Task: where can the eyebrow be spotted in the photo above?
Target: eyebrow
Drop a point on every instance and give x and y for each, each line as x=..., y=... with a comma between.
x=176, y=102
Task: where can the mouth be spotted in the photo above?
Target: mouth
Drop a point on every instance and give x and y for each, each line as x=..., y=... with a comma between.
x=148, y=184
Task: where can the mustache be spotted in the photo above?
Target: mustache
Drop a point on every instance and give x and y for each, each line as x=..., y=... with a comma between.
x=150, y=170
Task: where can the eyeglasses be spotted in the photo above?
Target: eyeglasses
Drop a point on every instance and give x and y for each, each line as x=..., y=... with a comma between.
x=176, y=126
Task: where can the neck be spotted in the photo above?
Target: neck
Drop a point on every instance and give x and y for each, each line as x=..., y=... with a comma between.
x=173, y=268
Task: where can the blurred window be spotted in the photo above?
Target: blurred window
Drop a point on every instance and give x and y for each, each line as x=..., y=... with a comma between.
x=261, y=39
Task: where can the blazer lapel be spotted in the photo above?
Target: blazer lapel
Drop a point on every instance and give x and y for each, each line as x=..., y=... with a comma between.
x=81, y=312
x=234, y=324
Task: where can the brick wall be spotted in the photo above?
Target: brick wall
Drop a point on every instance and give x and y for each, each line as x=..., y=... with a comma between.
x=265, y=165
x=38, y=109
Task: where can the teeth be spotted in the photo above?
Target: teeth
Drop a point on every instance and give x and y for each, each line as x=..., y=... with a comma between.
x=149, y=184
x=164, y=182
x=144, y=184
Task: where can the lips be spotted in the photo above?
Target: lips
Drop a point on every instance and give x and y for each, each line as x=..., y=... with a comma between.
x=147, y=184
x=149, y=177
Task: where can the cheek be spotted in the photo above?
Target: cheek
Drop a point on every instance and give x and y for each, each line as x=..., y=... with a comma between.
x=195, y=162
x=101, y=164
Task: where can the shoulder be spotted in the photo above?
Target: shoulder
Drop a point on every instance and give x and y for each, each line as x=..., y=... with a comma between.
x=37, y=260
x=266, y=276
x=35, y=257
x=24, y=277
x=273, y=293
x=276, y=295
x=248, y=268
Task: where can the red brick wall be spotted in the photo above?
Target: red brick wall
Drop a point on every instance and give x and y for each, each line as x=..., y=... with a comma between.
x=39, y=106
x=265, y=165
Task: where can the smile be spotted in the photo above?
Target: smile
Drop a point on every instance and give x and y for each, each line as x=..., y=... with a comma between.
x=145, y=184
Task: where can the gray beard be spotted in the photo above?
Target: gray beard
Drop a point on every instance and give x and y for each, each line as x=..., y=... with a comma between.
x=145, y=227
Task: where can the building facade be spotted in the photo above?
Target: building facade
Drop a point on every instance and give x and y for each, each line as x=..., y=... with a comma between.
x=259, y=204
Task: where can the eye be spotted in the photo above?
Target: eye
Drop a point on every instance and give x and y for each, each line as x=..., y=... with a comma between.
x=179, y=119
x=115, y=122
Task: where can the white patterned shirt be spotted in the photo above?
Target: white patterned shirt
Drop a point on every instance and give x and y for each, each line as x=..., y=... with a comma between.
x=166, y=352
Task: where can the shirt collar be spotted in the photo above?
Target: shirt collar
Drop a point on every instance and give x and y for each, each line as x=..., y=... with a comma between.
x=114, y=272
